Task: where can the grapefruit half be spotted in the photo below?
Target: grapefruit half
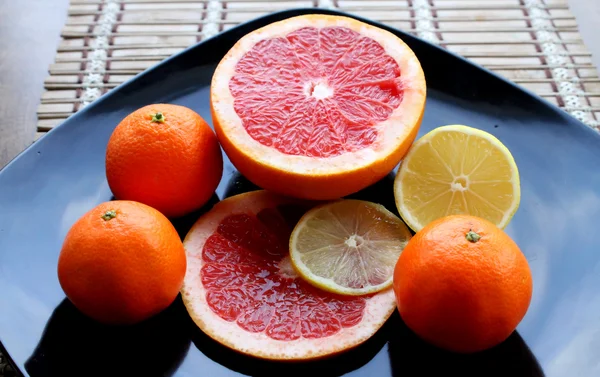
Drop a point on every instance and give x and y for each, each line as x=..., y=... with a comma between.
x=241, y=289
x=317, y=106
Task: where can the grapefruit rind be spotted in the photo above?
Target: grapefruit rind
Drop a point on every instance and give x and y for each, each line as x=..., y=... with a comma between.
x=310, y=177
x=378, y=308
x=406, y=213
x=328, y=284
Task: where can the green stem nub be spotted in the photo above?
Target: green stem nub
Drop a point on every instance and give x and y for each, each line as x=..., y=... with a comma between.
x=158, y=118
x=109, y=215
x=472, y=236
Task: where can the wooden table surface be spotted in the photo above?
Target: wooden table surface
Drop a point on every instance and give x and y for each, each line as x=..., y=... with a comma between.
x=29, y=35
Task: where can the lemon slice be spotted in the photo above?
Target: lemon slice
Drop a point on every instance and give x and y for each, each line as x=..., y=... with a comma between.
x=457, y=170
x=348, y=247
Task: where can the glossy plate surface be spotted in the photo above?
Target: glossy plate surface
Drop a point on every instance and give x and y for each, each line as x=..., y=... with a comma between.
x=60, y=177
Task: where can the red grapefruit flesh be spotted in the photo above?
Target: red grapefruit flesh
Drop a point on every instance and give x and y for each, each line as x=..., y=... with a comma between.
x=317, y=106
x=241, y=289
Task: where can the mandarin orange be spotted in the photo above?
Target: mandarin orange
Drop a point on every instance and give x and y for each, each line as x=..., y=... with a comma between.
x=122, y=262
x=462, y=284
x=165, y=156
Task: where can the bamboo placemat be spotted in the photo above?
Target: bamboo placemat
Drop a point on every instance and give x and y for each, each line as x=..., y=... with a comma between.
x=534, y=43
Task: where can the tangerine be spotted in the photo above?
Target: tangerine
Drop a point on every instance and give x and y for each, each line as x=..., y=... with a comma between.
x=122, y=262
x=165, y=156
x=462, y=284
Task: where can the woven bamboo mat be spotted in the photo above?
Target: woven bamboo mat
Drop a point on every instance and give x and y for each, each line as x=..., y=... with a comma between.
x=534, y=43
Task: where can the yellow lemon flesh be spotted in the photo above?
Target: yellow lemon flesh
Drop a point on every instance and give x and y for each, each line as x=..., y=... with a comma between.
x=348, y=247
x=457, y=170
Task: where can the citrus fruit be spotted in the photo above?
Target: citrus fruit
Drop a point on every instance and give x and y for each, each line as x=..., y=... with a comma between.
x=165, y=156
x=348, y=247
x=317, y=106
x=241, y=288
x=462, y=284
x=122, y=262
x=457, y=170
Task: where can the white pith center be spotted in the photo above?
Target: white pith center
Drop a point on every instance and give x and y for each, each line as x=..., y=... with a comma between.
x=319, y=90
x=460, y=183
x=286, y=268
x=354, y=241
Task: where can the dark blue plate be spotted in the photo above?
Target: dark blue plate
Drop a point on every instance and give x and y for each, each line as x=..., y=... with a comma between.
x=45, y=189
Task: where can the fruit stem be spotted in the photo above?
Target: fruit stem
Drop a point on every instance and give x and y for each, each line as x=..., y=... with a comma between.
x=472, y=236
x=158, y=118
x=109, y=215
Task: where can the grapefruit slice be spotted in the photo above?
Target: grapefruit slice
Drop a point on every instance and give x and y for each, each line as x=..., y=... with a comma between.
x=317, y=106
x=241, y=289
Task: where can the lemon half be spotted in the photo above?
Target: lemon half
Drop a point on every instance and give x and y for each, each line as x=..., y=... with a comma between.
x=457, y=170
